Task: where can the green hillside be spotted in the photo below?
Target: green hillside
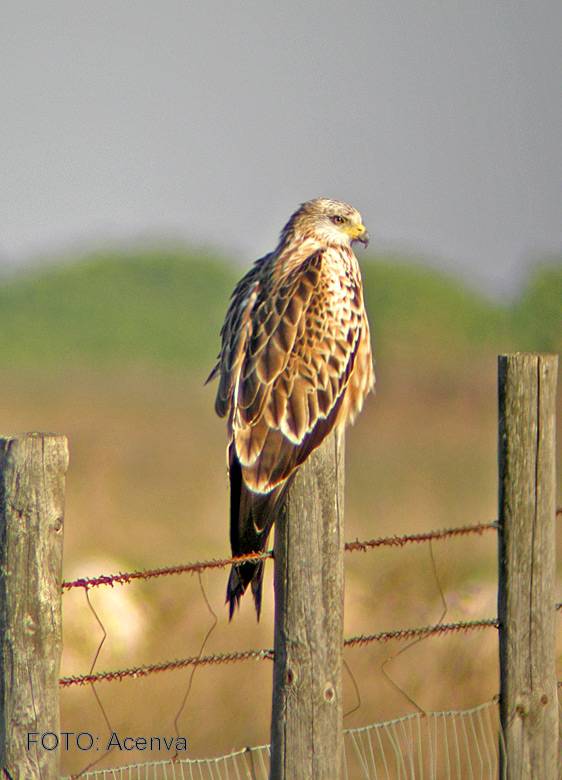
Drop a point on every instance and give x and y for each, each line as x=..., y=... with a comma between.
x=537, y=316
x=148, y=308
x=167, y=308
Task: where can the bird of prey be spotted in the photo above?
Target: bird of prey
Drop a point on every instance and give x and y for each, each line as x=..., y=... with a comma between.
x=295, y=363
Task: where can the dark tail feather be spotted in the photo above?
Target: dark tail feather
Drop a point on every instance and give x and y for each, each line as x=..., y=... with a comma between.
x=251, y=518
x=240, y=577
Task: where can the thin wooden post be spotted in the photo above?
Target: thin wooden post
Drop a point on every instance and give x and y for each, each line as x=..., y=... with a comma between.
x=527, y=495
x=32, y=480
x=307, y=720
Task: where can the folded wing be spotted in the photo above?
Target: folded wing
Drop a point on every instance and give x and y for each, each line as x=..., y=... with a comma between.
x=290, y=367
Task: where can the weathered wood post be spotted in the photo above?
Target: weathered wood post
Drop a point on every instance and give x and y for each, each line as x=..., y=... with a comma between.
x=32, y=480
x=527, y=496
x=307, y=719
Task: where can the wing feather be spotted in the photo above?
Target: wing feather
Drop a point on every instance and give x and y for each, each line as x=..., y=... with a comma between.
x=234, y=338
x=296, y=415
x=271, y=361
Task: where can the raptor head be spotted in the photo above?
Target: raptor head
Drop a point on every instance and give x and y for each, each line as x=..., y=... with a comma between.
x=330, y=221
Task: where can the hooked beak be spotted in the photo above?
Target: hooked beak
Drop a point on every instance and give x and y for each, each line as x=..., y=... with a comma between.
x=362, y=236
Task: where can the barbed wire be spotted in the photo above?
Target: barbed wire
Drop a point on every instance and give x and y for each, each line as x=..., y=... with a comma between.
x=124, y=578
x=425, y=536
x=267, y=654
x=166, y=666
x=414, y=633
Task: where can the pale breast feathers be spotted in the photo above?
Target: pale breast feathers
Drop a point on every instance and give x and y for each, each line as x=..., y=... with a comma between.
x=289, y=346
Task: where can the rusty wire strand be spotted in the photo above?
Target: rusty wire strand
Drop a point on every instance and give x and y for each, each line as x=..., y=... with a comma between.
x=267, y=654
x=425, y=536
x=424, y=631
x=166, y=666
x=123, y=578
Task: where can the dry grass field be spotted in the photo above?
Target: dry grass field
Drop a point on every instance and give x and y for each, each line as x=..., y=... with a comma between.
x=147, y=487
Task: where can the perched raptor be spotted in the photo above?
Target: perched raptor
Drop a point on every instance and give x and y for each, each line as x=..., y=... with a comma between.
x=295, y=363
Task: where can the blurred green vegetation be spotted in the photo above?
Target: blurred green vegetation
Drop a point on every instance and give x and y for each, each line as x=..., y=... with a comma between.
x=167, y=308
x=125, y=308
x=537, y=316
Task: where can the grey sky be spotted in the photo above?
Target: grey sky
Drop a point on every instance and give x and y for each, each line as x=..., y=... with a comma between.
x=210, y=121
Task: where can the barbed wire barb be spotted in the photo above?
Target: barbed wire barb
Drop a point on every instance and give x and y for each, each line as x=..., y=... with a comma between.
x=166, y=666
x=124, y=578
x=461, y=626
x=267, y=654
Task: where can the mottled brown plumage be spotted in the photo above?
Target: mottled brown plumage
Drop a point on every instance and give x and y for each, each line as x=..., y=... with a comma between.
x=295, y=363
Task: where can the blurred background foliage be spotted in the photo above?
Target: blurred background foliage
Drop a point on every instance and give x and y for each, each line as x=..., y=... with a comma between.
x=165, y=308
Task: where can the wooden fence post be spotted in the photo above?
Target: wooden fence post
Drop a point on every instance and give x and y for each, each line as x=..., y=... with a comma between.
x=32, y=479
x=527, y=496
x=307, y=719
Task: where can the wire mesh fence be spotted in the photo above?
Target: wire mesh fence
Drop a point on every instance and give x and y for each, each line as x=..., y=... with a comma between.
x=455, y=744
x=447, y=745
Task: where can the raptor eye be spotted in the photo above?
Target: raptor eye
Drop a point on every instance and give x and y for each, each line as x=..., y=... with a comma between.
x=337, y=219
